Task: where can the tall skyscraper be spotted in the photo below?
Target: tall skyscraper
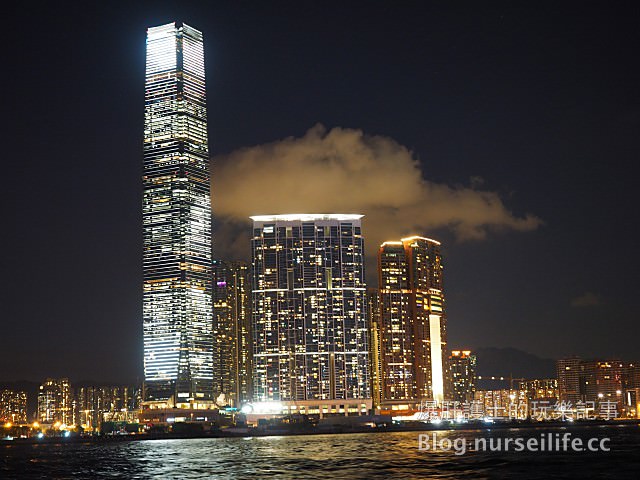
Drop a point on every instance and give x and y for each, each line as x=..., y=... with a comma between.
x=462, y=368
x=177, y=302
x=413, y=320
x=232, y=332
x=309, y=310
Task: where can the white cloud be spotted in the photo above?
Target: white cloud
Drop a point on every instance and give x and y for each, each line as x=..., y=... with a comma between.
x=346, y=171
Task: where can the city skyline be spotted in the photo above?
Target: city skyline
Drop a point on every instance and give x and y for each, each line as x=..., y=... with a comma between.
x=94, y=309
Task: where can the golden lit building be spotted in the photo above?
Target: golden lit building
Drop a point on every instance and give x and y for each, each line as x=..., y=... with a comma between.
x=504, y=403
x=375, y=354
x=13, y=406
x=96, y=404
x=540, y=388
x=412, y=321
x=55, y=402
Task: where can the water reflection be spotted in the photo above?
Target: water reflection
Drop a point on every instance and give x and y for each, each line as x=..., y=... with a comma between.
x=389, y=455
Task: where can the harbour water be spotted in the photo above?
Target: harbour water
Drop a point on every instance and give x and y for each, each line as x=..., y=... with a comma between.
x=336, y=456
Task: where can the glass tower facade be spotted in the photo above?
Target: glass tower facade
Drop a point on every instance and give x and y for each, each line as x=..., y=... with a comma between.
x=309, y=308
x=412, y=320
x=177, y=292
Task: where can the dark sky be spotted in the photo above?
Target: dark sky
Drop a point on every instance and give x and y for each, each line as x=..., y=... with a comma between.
x=539, y=99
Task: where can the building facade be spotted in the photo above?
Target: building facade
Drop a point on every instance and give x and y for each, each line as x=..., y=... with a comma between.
x=502, y=404
x=177, y=291
x=602, y=380
x=232, y=333
x=413, y=320
x=97, y=404
x=607, y=384
x=569, y=379
x=375, y=354
x=540, y=389
x=462, y=372
x=55, y=402
x=309, y=305
x=13, y=406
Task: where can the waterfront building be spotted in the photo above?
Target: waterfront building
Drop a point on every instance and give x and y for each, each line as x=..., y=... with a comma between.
x=569, y=383
x=55, y=402
x=631, y=389
x=502, y=404
x=177, y=290
x=97, y=404
x=605, y=383
x=13, y=406
x=232, y=333
x=631, y=375
x=539, y=389
x=582, y=380
x=309, y=314
x=413, y=321
x=375, y=354
x=602, y=380
x=462, y=372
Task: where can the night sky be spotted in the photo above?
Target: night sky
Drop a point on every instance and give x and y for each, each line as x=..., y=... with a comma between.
x=534, y=103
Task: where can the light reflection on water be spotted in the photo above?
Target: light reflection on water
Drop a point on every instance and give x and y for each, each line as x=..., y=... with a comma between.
x=375, y=455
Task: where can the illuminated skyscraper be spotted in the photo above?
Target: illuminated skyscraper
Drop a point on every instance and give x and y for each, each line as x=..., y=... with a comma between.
x=462, y=368
x=309, y=310
x=232, y=332
x=413, y=321
x=177, y=302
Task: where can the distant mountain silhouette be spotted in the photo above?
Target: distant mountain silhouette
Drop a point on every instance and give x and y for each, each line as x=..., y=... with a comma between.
x=511, y=362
